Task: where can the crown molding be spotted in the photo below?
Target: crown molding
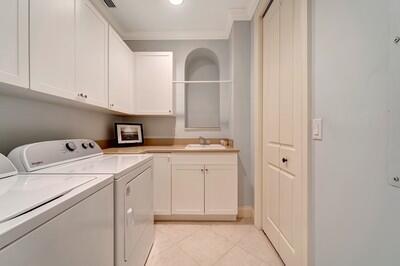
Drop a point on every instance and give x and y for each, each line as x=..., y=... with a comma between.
x=175, y=35
x=239, y=14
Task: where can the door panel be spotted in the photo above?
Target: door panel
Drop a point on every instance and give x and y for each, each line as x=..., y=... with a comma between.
x=272, y=154
x=273, y=199
x=221, y=193
x=188, y=189
x=271, y=203
x=271, y=78
x=286, y=205
x=91, y=54
x=52, y=47
x=286, y=73
x=14, y=44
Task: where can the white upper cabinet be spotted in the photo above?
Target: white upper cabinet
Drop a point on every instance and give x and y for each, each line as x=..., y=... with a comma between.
x=153, y=83
x=91, y=55
x=120, y=74
x=14, y=50
x=52, y=39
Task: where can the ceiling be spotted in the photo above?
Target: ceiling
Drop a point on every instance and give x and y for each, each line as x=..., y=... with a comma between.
x=160, y=20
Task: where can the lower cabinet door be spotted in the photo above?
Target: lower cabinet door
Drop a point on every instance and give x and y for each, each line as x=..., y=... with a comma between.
x=221, y=190
x=162, y=184
x=188, y=189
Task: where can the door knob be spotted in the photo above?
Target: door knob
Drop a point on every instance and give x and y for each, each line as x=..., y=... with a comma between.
x=284, y=160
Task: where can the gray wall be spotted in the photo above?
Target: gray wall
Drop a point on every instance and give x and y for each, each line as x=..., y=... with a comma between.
x=240, y=48
x=181, y=50
x=356, y=90
x=234, y=59
x=24, y=120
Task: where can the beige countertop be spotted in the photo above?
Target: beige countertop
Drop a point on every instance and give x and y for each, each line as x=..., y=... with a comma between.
x=161, y=149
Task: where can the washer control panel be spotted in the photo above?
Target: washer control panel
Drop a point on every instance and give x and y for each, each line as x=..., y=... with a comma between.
x=44, y=154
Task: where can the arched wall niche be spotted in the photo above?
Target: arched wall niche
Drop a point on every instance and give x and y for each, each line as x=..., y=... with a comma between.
x=202, y=100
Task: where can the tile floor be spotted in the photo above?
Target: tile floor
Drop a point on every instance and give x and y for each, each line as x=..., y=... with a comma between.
x=233, y=244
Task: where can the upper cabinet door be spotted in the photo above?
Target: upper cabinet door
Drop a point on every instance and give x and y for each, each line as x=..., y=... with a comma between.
x=14, y=61
x=120, y=73
x=91, y=55
x=52, y=38
x=153, y=83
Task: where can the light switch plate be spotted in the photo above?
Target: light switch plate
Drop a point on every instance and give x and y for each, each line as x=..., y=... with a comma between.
x=317, y=129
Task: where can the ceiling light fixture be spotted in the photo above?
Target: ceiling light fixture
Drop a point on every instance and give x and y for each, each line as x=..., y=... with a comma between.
x=176, y=2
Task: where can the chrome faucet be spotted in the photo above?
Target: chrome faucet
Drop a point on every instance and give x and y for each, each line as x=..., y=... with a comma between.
x=204, y=141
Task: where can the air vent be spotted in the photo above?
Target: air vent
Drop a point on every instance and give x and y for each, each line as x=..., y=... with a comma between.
x=109, y=3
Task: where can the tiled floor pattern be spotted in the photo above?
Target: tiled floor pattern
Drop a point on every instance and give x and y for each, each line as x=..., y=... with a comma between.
x=187, y=244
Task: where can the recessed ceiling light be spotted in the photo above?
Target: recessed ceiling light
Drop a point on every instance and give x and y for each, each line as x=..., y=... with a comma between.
x=176, y=2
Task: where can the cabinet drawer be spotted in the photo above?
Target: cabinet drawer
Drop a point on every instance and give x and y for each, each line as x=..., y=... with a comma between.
x=205, y=158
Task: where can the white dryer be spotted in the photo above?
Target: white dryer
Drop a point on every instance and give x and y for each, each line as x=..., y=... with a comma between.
x=48, y=220
x=133, y=183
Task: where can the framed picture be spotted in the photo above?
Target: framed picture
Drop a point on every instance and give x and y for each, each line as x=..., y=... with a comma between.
x=129, y=134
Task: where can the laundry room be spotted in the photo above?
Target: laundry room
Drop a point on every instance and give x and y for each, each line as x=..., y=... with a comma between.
x=186, y=132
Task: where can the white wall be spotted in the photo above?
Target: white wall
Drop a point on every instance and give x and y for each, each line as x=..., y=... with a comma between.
x=25, y=121
x=240, y=47
x=355, y=213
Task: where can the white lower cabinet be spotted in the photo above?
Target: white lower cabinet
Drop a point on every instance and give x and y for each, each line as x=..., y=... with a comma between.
x=203, y=184
x=162, y=184
x=221, y=190
x=188, y=189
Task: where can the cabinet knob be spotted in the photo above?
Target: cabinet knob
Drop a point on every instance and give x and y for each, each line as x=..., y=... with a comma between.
x=111, y=105
x=202, y=169
x=284, y=160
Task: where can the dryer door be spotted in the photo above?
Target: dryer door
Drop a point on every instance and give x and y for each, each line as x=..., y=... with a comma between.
x=138, y=215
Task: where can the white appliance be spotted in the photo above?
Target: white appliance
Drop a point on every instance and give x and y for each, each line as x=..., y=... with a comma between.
x=133, y=188
x=48, y=220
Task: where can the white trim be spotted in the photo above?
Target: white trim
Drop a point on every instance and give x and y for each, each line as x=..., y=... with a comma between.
x=177, y=35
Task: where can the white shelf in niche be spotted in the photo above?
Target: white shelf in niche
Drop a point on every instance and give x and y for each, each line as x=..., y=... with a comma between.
x=200, y=81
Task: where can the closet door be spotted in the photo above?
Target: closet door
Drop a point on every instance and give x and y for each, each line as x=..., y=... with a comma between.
x=91, y=55
x=282, y=136
x=52, y=52
x=271, y=129
x=14, y=51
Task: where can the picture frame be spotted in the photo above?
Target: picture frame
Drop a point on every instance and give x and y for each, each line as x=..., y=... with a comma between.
x=129, y=134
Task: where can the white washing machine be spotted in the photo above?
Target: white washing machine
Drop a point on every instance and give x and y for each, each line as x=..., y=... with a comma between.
x=48, y=220
x=133, y=188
